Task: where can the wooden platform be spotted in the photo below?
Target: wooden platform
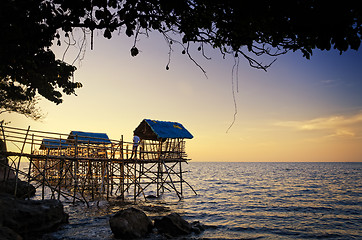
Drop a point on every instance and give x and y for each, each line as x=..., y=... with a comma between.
x=88, y=170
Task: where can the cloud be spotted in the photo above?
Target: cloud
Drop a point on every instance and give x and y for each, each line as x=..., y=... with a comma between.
x=329, y=82
x=342, y=133
x=335, y=126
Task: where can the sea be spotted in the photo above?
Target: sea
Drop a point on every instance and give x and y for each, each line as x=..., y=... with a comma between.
x=247, y=201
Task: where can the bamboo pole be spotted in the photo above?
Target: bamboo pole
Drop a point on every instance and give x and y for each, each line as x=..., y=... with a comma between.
x=140, y=173
x=18, y=166
x=158, y=168
x=30, y=163
x=111, y=169
x=171, y=183
x=60, y=177
x=75, y=175
x=44, y=176
x=107, y=178
x=122, y=176
x=181, y=178
x=135, y=179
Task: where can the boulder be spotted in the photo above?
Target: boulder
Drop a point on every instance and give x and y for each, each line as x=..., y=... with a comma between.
x=151, y=197
x=8, y=234
x=130, y=223
x=31, y=217
x=23, y=189
x=197, y=227
x=173, y=224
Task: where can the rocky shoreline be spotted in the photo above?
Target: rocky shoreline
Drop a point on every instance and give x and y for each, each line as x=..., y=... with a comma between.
x=133, y=223
x=22, y=219
x=27, y=219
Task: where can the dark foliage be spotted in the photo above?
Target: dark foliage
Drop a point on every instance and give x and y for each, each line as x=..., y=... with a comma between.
x=27, y=65
x=241, y=28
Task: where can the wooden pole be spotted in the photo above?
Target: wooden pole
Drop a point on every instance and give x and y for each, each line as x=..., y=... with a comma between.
x=44, y=175
x=135, y=179
x=181, y=180
x=75, y=175
x=17, y=168
x=111, y=169
x=30, y=163
x=107, y=177
x=158, y=167
x=60, y=177
x=140, y=173
x=122, y=179
x=171, y=183
x=122, y=174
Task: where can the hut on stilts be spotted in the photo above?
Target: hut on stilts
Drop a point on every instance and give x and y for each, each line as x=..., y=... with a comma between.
x=163, y=143
x=86, y=166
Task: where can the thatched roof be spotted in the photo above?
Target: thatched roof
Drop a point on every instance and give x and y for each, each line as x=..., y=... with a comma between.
x=88, y=137
x=48, y=143
x=158, y=130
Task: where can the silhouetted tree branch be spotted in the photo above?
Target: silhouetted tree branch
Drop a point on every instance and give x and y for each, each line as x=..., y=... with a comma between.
x=247, y=29
x=28, y=108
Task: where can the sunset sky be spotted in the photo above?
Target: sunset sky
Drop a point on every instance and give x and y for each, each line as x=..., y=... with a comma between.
x=299, y=110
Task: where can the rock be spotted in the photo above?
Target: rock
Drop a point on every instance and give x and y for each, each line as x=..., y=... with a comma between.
x=151, y=197
x=130, y=223
x=8, y=234
x=173, y=224
x=24, y=189
x=31, y=217
x=197, y=227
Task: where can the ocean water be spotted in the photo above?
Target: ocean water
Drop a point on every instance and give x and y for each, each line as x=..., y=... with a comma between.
x=250, y=201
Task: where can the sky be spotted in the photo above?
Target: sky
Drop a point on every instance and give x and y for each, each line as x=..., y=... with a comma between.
x=299, y=110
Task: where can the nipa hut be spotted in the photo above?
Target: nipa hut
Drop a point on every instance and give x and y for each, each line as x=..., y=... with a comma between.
x=84, y=143
x=89, y=144
x=53, y=146
x=162, y=139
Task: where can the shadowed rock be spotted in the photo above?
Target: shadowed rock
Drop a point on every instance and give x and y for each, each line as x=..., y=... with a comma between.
x=30, y=217
x=8, y=234
x=173, y=224
x=23, y=189
x=130, y=223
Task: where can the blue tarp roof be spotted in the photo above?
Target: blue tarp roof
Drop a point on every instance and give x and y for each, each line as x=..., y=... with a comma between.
x=165, y=129
x=88, y=137
x=53, y=144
